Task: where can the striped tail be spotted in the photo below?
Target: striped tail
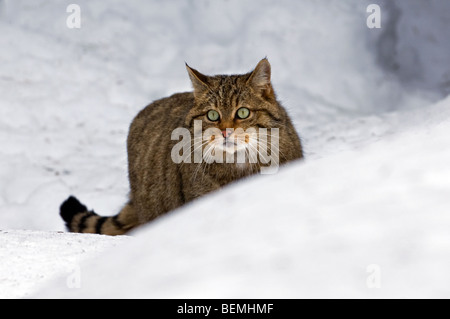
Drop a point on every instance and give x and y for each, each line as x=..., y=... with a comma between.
x=79, y=220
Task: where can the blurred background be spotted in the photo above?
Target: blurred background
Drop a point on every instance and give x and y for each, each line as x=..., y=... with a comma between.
x=69, y=95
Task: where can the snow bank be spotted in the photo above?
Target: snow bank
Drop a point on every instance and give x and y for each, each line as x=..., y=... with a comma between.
x=28, y=259
x=413, y=44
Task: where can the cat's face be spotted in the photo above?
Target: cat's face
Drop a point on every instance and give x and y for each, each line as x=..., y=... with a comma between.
x=233, y=110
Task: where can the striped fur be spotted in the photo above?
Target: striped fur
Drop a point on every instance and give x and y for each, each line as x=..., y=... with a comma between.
x=79, y=220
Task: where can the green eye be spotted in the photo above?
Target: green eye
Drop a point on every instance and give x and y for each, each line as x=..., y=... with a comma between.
x=243, y=113
x=213, y=115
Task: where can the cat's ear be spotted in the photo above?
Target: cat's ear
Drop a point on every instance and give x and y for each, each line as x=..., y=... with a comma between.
x=199, y=81
x=259, y=79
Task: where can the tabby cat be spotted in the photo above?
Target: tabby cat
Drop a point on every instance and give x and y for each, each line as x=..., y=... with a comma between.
x=159, y=183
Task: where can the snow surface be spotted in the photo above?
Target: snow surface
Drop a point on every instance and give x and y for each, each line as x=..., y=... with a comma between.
x=30, y=258
x=369, y=104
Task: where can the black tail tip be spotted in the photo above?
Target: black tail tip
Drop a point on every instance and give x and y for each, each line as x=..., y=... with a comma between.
x=70, y=207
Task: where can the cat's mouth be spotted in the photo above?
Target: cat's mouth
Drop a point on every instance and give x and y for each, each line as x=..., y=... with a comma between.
x=233, y=144
x=227, y=143
x=228, y=146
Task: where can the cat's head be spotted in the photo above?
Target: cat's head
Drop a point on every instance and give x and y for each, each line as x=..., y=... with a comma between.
x=236, y=107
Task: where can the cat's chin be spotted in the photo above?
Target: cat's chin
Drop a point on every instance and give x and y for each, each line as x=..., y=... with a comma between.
x=230, y=148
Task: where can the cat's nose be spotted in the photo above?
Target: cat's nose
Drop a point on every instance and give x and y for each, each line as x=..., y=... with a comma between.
x=226, y=133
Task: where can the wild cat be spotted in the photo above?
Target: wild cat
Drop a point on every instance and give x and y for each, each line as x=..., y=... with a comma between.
x=245, y=103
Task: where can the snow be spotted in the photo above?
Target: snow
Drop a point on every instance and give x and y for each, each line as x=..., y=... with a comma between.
x=369, y=104
x=30, y=258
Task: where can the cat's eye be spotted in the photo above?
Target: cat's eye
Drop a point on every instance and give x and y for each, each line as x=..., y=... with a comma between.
x=213, y=115
x=243, y=113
